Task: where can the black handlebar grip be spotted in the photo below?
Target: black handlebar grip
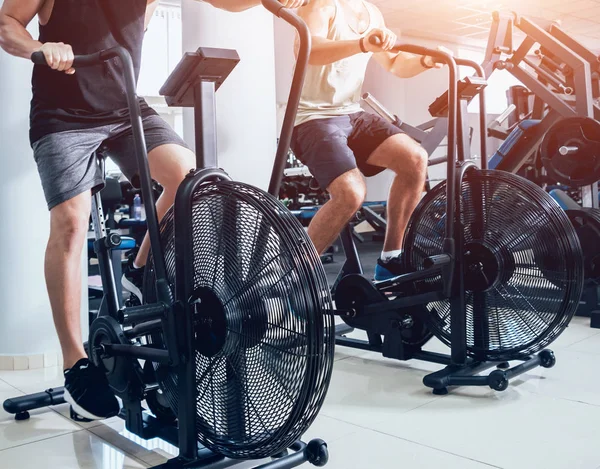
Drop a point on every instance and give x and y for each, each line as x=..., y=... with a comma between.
x=38, y=58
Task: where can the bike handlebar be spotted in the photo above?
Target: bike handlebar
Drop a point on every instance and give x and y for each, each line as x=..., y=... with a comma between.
x=80, y=61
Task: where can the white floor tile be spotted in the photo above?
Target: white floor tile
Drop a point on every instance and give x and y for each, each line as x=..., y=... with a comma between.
x=329, y=429
x=513, y=430
x=588, y=345
x=579, y=329
x=43, y=424
x=573, y=377
x=4, y=386
x=79, y=450
x=364, y=392
x=372, y=450
x=30, y=381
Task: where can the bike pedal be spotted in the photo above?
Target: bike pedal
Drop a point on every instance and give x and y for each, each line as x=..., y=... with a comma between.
x=76, y=417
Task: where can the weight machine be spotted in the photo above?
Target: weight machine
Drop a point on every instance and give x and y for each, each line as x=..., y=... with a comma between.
x=558, y=139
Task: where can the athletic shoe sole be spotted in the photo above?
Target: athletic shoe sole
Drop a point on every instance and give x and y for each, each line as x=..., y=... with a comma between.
x=81, y=411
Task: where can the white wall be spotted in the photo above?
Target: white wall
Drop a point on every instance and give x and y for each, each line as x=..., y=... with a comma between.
x=26, y=325
x=246, y=103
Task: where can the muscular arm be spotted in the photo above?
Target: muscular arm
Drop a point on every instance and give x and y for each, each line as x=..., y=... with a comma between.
x=15, y=15
x=318, y=16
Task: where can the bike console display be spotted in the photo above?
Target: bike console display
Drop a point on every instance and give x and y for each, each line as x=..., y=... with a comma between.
x=206, y=64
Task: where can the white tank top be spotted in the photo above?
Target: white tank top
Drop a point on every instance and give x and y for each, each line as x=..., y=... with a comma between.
x=335, y=89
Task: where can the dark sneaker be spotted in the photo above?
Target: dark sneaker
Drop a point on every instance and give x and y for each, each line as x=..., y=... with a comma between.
x=386, y=270
x=88, y=392
x=133, y=280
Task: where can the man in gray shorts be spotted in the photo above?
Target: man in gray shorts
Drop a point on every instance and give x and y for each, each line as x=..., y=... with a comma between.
x=73, y=114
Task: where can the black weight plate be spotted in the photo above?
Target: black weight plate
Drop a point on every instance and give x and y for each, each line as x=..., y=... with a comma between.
x=124, y=373
x=578, y=169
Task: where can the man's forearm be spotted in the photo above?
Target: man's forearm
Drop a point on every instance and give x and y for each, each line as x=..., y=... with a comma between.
x=233, y=5
x=407, y=65
x=325, y=52
x=15, y=39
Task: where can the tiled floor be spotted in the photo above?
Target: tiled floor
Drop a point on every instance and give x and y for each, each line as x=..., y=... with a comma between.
x=377, y=415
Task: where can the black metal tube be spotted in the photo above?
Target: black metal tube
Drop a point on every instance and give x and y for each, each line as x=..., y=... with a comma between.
x=289, y=121
x=38, y=400
x=180, y=330
x=530, y=364
x=141, y=153
x=143, y=353
x=144, y=329
x=556, y=82
x=295, y=459
x=141, y=314
x=482, y=108
x=444, y=57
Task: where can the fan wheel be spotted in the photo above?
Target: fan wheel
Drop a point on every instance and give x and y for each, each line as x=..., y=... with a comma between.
x=263, y=337
x=523, y=269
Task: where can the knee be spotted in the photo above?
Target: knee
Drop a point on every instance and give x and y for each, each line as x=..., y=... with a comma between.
x=350, y=197
x=68, y=229
x=413, y=162
x=170, y=165
x=172, y=179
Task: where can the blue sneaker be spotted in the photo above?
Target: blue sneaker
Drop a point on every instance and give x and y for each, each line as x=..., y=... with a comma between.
x=389, y=269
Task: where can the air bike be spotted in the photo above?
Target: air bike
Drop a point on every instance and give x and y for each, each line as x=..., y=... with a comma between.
x=236, y=334
x=494, y=266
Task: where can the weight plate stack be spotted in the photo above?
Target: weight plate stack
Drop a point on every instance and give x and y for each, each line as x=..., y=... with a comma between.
x=263, y=332
x=512, y=231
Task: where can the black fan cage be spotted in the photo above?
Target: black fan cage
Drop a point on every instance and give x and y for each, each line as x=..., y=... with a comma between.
x=262, y=378
x=523, y=266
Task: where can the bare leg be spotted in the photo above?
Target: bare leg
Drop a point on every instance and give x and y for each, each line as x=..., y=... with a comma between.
x=408, y=160
x=169, y=164
x=68, y=231
x=347, y=195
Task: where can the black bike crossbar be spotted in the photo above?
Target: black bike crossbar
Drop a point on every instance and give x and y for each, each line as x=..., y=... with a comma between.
x=144, y=329
x=141, y=314
x=142, y=353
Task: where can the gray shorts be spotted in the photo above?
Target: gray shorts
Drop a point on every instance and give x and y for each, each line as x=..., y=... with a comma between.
x=67, y=164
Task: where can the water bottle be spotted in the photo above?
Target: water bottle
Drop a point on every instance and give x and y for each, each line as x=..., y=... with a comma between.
x=137, y=207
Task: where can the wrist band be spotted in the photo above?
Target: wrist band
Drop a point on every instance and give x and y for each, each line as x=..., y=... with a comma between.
x=424, y=64
x=362, y=46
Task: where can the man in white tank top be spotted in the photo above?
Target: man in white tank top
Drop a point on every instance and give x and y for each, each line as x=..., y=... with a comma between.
x=338, y=141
